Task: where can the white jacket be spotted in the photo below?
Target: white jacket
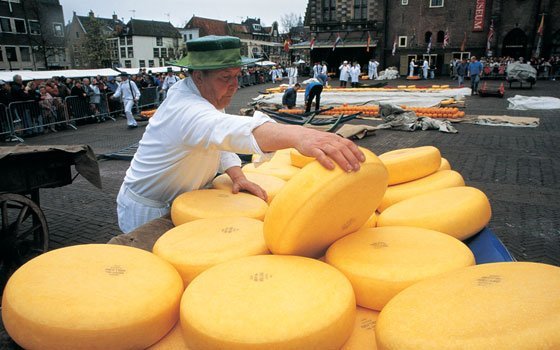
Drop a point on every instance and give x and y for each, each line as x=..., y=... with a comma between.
x=128, y=90
x=344, y=72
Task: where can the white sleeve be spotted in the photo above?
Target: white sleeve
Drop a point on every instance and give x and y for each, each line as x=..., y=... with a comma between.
x=137, y=93
x=117, y=93
x=165, y=84
x=228, y=160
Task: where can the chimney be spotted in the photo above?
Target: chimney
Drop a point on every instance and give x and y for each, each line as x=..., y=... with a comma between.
x=91, y=14
x=115, y=18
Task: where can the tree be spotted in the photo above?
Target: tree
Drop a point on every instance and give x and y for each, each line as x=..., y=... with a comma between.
x=290, y=20
x=95, y=48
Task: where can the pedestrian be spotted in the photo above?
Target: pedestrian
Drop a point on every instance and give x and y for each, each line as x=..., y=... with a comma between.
x=354, y=74
x=168, y=82
x=292, y=75
x=461, y=69
x=324, y=69
x=317, y=69
x=411, y=67
x=313, y=91
x=273, y=74
x=290, y=96
x=372, y=69
x=344, y=73
x=130, y=95
x=190, y=138
x=425, y=67
x=474, y=69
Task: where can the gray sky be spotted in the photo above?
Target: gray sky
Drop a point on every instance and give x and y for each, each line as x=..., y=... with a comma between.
x=180, y=11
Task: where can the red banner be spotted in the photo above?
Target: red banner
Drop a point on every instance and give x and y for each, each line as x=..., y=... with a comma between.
x=479, y=12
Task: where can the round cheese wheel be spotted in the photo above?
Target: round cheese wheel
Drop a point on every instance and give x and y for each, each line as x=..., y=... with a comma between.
x=271, y=184
x=299, y=160
x=283, y=171
x=281, y=156
x=458, y=211
x=444, y=164
x=409, y=164
x=198, y=245
x=174, y=340
x=214, y=203
x=268, y=302
x=318, y=206
x=372, y=221
x=380, y=262
x=96, y=296
x=513, y=305
x=363, y=336
x=438, y=180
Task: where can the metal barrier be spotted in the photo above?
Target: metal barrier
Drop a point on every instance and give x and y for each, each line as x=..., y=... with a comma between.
x=7, y=131
x=28, y=118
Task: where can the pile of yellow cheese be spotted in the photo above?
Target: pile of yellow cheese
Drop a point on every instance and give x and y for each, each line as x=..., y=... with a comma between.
x=372, y=259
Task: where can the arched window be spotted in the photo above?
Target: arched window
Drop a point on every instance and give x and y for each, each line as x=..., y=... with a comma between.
x=427, y=37
x=440, y=36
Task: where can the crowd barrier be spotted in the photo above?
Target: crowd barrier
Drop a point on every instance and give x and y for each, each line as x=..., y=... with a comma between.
x=27, y=118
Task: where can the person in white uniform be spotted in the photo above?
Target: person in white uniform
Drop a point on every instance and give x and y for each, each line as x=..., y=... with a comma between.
x=317, y=70
x=355, y=74
x=411, y=67
x=344, y=73
x=168, y=82
x=129, y=94
x=190, y=138
x=292, y=75
x=372, y=69
x=425, y=67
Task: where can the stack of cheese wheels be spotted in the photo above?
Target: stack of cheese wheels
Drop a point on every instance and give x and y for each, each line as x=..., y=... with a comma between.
x=198, y=245
x=283, y=171
x=497, y=306
x=174, y=340
x=92, y=297
x=444, y=164
x=363, y=336
x=371, y=222
x=458, y=211
x=409, y=164
x=271, y=184
x=299, y=160
x=318, y=206
x=380, y=262
x=268, y=302
x=214, y=203
x=438, y=180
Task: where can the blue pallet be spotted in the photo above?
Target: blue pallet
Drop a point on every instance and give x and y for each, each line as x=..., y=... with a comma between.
x=487, y=248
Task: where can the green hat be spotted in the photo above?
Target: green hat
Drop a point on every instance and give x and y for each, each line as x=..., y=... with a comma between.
x=214, y=52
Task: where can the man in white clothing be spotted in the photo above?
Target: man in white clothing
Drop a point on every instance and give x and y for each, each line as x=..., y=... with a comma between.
x=168, y=82
x=129, y=93
x=190, y=138
x=372, y=69
x=292, y=75
x=425, y=67
x=344, y=73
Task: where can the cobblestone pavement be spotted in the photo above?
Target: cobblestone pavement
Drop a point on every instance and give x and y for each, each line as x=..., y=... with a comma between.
x=518, y=168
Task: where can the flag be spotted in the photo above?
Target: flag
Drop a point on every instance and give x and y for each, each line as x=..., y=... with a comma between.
x=429, y=45
x=464, y=43
x=541, y=26
x=337, y=41
x=287, y=44
x=368, y=41
x=540, y=32
x=446, y=39
x=312, y=43
x=490, y=38
x=394, y=46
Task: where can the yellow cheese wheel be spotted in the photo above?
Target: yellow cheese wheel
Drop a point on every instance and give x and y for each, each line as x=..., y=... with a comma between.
x=380, y=262
x=499, y=306
x=409, y=164
x=174, y=340
x=96, y=296
x=444, y=164
x=283, y=171
x=271, y=184
x=363, y=336
x=318, y=206
x=299, y=160
x=214, y=203
x=438, y=180
x=372, y=221
x=458, y=211
x=268, y=302
x=281, y=156
x=198, y=245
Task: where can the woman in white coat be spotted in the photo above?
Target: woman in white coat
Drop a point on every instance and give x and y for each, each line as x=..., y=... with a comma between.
x=355, y=74
x=344, y=73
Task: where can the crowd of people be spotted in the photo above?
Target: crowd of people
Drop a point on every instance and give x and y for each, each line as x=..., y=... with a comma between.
x=495, y=67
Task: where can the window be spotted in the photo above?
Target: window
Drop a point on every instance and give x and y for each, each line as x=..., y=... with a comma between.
x=58, y=29
x=19, y=24
x=128, y=64
x=159, y=41
x=34, y=27
x=25, y=54
x=142, y=63
x=402, y=41
x=163, y=52
x=170, y=52
x=360, y=9
x=329, y=10
x=436, y=3
x=129, y=40
x=257, y=27
x=11, y=53
x=427, y=37
x=6, y=25
x=123, y=52
x=184, y=37
x=190, y=36
x=440, y=36
x=130, y=52
x=121, y=41
x=156, y=52
x=77, y=34
x=150, y=63
x=404, y=2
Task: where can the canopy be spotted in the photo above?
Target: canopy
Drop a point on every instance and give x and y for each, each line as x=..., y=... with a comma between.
x=300, y=62
x=265, y=63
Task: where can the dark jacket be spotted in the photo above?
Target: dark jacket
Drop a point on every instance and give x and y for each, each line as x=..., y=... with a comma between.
x=289, y=97
x=462, y=69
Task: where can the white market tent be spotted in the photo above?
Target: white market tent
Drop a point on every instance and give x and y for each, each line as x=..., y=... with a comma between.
x=265, y=63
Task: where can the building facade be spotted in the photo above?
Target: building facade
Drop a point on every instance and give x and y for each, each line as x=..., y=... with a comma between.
x=32, y=35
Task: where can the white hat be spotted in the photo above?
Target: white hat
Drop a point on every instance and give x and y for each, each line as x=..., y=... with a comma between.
x=345, y=62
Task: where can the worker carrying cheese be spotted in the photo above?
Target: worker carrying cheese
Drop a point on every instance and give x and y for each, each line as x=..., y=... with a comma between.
x=190, y=138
